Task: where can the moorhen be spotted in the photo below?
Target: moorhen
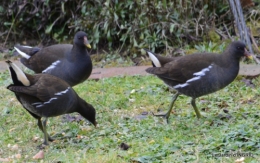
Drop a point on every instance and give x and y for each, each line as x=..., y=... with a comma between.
x=44, y=96
x=71, y=63
x=198, y=74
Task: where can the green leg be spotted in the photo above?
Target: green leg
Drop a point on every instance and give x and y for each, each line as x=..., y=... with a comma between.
x=41, y=128
x=193, y=103
x=44, y=123
x=167, y=115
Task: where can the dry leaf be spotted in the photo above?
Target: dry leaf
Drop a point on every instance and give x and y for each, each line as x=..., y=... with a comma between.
x=36, y=138
x=87, y=128
x=14, y=147
x=5, y=159
x=81, y=137
x=131, y=100
x=39, y=155
x=240, y=160
x=18, y=156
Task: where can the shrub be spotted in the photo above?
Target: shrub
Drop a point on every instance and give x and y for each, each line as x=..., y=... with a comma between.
x=112, y=24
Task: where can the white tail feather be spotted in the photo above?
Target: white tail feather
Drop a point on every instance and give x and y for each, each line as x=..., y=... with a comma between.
x=155, y=61
x=20, y=74
x=22, y=53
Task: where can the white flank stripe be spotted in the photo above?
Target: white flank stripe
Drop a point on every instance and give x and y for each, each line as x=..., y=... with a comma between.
x=22, y=53
x=27, y=46
x=63, y=92
x=47, y=102
x=155, y=61
x=37, y=103
x=54, y=98
x=193, y=79
x=181, y=85
x=202, y=72
x=20, y=75
x=197, y=76
x=39, y=106
x=52, y=66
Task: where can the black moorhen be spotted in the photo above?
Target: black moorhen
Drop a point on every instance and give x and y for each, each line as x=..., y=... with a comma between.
x=71, y=63
x=198, y=74
x=44, y=96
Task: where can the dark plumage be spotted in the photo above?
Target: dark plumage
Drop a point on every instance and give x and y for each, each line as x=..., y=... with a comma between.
x=200, y=73
x=44, y=96
x=71, y=63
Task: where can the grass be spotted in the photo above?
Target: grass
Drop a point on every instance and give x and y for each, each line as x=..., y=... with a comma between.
x=120, y=103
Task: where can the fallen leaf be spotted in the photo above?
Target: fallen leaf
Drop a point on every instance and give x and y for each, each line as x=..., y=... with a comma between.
x=14, y=147
x=18, y=156
x=36, y=138
x=151, y=142
x=131, y=100
x=5, y=159
x=39, y=155
x=81, y=137
x=240, y=160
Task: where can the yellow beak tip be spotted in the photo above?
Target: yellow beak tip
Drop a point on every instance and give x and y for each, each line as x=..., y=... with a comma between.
x=88, y=45
x=250, y=57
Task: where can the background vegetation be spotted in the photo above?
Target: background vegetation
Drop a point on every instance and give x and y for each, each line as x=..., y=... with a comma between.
x=123, y=26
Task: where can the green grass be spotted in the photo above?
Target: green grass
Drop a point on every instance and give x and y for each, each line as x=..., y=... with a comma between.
x=119, y=102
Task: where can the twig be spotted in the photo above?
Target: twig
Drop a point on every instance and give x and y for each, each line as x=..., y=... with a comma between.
x=256, y=47
x=20, y=8
x=253, y=41
x=225, y=26
x=221, y=34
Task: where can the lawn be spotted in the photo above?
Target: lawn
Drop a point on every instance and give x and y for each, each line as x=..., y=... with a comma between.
x=230, y=125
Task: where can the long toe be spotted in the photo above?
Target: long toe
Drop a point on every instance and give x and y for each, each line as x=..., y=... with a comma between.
x=42, y=146
x=165, y=116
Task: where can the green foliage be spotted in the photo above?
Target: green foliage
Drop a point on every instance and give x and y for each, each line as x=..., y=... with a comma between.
x=211, y=47
x=111, y=24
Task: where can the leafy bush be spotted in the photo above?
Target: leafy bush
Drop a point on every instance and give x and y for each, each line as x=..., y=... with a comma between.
x=112, y=24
